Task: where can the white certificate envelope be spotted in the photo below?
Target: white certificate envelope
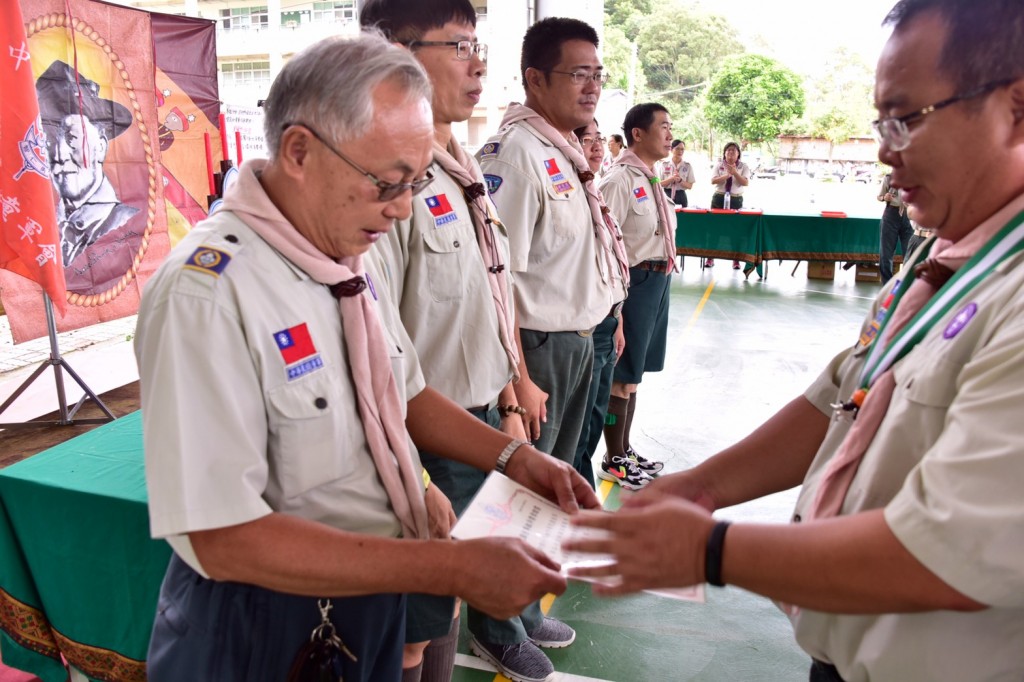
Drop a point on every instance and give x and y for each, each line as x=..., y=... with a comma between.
x=503, y=508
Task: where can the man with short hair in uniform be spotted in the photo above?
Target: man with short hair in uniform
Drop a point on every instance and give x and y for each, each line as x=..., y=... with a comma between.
x=282, y=399
x=564, y=260
x=648, y=223
x=905, y=557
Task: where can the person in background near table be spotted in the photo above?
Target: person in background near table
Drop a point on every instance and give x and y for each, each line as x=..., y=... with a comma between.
x=920, y=236
x=566, y=263
x=894, y=227
x=676, y=175
x=904, y=560
x=615, y=147
x=730, y=177
x=648, y=224
x=609, y=340
x=456, y=304
x=283, y=402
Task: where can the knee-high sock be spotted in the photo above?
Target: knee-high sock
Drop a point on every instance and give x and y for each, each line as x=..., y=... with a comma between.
x=629, y=422
x=439, y=656
x=615, y=427
x=412, y=674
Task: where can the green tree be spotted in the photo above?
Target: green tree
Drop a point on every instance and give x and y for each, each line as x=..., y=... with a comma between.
x=840, y=95
x=836, y=126
x=626, y=15
x=620, y=62
x=753, y=96
x=681, y=47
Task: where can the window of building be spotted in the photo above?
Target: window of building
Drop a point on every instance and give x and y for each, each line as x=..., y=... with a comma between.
x=335, y=11
x=245, y=73
x=244, y=18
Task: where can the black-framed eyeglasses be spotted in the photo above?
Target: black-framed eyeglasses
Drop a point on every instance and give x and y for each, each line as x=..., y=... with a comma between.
x=386, y=191
x=581, y=77
x=895, y=131
x=588, y=140
x=464, y=49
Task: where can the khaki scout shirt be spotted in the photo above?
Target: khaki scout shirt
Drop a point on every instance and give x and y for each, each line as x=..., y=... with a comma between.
x=946, y=465
x=236, y=426
x=630, y=196
x=563, y=280
x=438, y=277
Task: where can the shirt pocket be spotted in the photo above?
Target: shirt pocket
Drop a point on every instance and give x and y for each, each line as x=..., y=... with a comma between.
x=643, y=207
x=305, y=419
x=567, y=219
x=443, y=249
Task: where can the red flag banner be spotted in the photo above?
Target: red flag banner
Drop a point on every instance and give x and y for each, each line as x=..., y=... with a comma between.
x=29, y=241
x=93, y=69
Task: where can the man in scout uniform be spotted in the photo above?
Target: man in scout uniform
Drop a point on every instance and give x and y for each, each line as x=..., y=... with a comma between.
x=903, y=561
x=648, y=224
x=281, y=398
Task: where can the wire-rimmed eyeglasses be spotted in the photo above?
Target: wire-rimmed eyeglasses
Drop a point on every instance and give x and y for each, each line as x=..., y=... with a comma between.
x=386, y=191
x=588, y=140
x=895, y=131
x=581, y=77
x=464, y=49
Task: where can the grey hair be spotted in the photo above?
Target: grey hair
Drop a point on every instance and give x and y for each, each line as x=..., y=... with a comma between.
x=329, y=86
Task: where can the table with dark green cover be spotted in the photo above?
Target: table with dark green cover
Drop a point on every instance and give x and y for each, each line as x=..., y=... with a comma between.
x=754, y=238
x=79, y=574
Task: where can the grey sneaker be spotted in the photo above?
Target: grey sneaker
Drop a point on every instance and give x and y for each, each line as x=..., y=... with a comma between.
x=552, y=634
x=648, y=466
x=522, y=662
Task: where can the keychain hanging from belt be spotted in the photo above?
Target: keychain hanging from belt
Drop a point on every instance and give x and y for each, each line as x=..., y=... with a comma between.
x=320, y=659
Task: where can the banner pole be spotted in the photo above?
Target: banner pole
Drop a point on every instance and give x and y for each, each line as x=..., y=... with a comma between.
x=67, y=418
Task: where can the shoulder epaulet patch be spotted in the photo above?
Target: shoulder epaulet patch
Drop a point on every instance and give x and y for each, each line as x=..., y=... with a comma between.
x=493, y=183
x=490, y=149
x=209, y=260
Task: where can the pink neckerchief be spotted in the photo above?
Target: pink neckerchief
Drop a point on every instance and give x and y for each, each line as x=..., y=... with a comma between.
x=379, y=400
x=460, y=167
x=668, y=226
x=836, y=481
x=605, y=229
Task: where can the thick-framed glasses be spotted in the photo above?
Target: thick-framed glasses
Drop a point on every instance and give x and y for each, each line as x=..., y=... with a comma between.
x=895, y=131
x=386, y=191
x=464, y=49
x=581, y=77
x=588, y=140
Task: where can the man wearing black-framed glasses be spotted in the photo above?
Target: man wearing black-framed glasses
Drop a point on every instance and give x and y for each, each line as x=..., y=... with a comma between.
x=903, y=560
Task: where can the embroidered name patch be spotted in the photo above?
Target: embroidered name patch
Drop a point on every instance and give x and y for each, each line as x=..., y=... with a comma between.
x=209, y=260
x=958, y=323
x=297, y=350
x=441, y=210
x=640, y=194
x=493, y=183
x=558, y=180
x=490, y=149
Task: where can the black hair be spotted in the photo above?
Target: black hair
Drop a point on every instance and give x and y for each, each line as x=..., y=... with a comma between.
x=403, y=21
x=676, y=143
x=542, y=44
x=641, y=116
x=739, y=152
x=578, y=132
x=985, y=39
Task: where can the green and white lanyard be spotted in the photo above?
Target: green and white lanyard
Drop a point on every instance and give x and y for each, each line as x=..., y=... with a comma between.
x=1007, y=242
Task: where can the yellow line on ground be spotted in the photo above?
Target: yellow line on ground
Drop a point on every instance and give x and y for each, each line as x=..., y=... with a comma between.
x=604, y=490
x=700, y=307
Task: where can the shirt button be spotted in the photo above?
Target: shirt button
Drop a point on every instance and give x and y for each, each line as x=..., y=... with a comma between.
x=231, y=238
x=321, y=403
x=797, y=518
x=456, y=243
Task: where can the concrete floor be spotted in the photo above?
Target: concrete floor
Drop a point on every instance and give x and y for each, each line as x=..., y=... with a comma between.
x=738, y=350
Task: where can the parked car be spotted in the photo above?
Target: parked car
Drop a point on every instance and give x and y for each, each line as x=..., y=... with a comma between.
x=865, y=175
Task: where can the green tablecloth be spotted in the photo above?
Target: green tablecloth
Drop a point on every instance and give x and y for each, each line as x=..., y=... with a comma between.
x=79, y=574
x=754, y=238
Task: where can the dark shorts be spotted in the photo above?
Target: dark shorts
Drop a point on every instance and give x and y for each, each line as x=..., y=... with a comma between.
x=644, y=324
x=211, y=631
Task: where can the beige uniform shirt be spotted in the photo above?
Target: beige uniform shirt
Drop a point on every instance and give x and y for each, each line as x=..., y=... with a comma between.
x=667, y=168
x=947, y=466
x=437, y=275
x=630, y=196
x=737, y=189
x=563, y=278
x=248, y=405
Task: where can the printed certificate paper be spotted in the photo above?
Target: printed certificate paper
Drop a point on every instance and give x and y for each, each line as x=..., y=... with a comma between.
x=503, y=508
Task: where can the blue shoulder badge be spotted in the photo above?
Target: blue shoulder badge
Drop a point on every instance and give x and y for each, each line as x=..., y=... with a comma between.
x=490, y=149
x=209, y=260
x=493, y=183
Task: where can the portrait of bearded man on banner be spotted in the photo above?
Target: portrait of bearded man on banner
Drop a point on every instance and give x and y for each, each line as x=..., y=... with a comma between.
x=80, y=125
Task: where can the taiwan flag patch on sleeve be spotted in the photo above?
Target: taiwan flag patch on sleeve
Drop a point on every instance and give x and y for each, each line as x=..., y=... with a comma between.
x=640, y=194
x=297, y=350
x=441, y=209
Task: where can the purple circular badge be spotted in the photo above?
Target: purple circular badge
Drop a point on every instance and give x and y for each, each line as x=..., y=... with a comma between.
x=960, y=321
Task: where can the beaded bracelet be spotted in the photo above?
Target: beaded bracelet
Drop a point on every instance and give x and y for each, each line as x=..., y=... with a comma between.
x=509, y=410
